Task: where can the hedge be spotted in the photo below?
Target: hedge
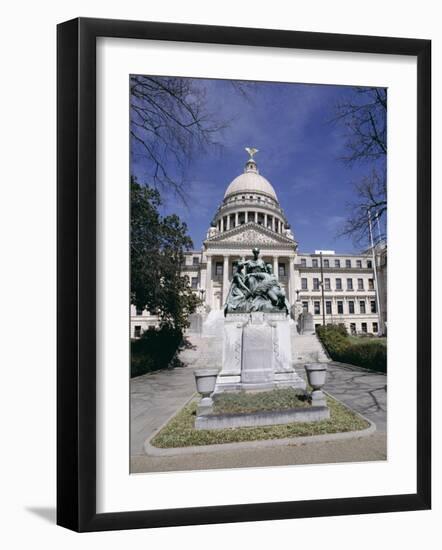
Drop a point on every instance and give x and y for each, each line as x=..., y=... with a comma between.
x=370, y=354
x=155, y=350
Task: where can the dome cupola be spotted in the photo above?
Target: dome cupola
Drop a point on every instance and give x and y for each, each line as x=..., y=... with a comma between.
x=251, y=181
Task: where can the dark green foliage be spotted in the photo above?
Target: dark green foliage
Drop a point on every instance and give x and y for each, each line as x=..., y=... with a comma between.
x=157, y=254
x=368, y=353
x=155, y=350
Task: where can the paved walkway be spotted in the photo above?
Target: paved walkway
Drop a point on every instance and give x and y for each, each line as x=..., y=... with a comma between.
x=155, y=397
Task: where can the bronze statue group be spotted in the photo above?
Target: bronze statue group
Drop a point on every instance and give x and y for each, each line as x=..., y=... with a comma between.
x=255, y=288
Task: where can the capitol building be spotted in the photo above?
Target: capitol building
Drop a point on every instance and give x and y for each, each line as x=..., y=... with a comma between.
x=332, y=287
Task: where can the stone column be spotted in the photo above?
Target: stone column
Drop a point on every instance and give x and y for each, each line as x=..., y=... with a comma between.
x=265, y=221
x=209, y=280
x=256, y=216
x=228, y=222
x=236, y=219
x=225, y=278
x=275, y=266
x=291, y=281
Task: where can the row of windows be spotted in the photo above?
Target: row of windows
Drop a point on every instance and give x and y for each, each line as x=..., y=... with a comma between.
x=257, y=198
x=364, y=328
x=326, y=263
x=336, y=263
x=340, y=307
x=338, y=284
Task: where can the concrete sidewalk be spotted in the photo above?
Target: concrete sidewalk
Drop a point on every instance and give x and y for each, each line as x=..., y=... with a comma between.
x=155, y=397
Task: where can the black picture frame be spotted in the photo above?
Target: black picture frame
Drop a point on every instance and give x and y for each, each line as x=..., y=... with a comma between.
x=76, y=274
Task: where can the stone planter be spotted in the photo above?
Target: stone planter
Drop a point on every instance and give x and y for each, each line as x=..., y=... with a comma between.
x=205, y=380
x=316, y=376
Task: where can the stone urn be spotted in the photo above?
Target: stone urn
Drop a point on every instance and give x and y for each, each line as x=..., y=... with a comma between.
x=205, y=380
x=316, y=377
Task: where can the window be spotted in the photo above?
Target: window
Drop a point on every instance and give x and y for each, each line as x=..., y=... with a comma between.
x=305, y=306
x=340, y=306
x=370, y=284
x=375, y=328
x=317, y=306
x=281, y=270
x=137, y=331
x=328, y=307
x=337, y=263
x=373, y=306
x=359, y=264
x=364, y=327
x=303, y=262
x=304, y=283
x=351, y=306
x=349, y=284
x=352, y=328
x=327, y=283
x=360, y=284
x=338, y=284
x=362, y=306
x=314, y=262
x=225, y=223
x=139, y=311
x=369, y=264
x=326, y=263
x=219, y=268
x=194, y=282
x=195, y=260
x=315, y=284
x=347, y=263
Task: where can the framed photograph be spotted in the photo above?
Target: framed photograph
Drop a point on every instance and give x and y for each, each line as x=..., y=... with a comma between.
x=243, y=254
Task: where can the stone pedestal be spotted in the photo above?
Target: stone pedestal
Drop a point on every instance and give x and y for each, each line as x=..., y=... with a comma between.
x=257, y=353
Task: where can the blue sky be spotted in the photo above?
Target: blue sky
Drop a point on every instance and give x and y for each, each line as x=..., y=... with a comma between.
x=299, y=150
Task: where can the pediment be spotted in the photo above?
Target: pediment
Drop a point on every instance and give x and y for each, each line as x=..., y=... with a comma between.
x=250, y=234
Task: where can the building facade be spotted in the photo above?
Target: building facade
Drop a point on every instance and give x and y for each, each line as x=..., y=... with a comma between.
x=249, y=216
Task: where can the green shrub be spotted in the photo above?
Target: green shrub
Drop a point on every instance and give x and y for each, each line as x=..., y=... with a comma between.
x=155, y=350
x=370, y=354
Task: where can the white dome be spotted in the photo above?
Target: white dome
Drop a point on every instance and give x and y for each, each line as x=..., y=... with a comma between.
x=250, y=182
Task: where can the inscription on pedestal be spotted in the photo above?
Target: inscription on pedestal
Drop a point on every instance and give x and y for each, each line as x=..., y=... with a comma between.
x=257, y=353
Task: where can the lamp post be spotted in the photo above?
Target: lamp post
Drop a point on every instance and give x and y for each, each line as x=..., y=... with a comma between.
x=322, y=289
x=378, y=303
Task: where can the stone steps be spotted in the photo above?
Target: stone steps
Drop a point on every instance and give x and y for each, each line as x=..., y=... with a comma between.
x=306, y=348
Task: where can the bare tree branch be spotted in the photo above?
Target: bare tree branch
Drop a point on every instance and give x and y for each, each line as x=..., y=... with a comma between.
x=169, y=124
x=371, y=199
x=364, y=117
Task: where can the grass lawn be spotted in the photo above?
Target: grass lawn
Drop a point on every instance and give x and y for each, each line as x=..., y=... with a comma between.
x=181, y=432
x=275, y=400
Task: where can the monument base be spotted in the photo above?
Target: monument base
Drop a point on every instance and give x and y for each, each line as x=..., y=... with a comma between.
x=257, y=353
x=262, y=418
